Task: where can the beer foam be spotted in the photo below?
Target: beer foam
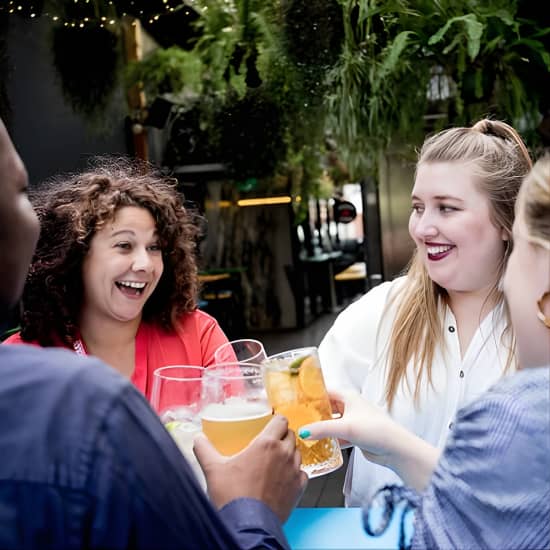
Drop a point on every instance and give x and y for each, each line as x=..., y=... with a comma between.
x=235, y=408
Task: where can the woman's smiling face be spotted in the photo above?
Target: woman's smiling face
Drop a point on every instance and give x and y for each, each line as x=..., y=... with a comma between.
x=123, y=266
x=451, y=225
x=527, y=277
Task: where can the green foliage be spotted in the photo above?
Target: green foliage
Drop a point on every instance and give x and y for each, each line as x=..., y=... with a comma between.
x=376, y=84
x=455, y=60
x=167, y=70
x=266, y=109
x=472, y=32
x=221, y=30
x=364, y=72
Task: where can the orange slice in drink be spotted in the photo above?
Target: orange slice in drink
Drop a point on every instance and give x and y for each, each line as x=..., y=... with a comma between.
x=298, y=415
x=311, y=379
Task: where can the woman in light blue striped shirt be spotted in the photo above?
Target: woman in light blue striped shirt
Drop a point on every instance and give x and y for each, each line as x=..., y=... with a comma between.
x=490, y=487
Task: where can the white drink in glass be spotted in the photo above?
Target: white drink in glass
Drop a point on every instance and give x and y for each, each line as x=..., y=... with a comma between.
x=184, y=424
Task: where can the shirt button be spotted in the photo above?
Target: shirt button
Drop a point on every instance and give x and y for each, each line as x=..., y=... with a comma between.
x=451, y=329
x=461, y=374
x=451, y=425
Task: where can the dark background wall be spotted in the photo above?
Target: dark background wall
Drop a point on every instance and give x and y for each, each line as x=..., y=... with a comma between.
x=49, y=136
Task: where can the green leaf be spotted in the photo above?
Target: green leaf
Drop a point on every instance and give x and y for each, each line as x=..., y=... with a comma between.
x=391, y=61
x=238, y=82
x=537, y=47
x=478, y=83
x=474, y=30
x=545, y=58
x=506, y=17
x=492, y=44
x=461, y=61
x=456, y=41
x=435, y=38
x=541, y=32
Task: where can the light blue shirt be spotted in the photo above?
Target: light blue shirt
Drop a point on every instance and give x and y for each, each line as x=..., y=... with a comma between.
x=491, y=488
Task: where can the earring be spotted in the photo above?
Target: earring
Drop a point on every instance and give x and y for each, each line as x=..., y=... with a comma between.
x=540, y=314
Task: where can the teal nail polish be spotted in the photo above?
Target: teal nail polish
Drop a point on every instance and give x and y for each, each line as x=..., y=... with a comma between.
x=304, y=434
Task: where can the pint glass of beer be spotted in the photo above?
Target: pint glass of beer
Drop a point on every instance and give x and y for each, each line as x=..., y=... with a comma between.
x=235, y=408
x=296, y=390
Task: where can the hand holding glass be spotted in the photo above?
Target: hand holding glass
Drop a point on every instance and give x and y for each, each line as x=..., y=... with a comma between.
x=235, y=406
x=296, y=389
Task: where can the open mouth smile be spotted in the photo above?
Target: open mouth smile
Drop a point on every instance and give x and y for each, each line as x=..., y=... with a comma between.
x=438, y=252
x=131, y=288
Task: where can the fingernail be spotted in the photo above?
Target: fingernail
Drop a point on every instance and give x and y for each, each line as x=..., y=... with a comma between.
x=304, y=434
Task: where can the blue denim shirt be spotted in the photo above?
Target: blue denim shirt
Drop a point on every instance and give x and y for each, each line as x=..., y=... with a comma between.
x=84, y=462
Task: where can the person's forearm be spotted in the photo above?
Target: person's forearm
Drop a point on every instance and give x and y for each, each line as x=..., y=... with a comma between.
x=414, y=460
x=254, y=525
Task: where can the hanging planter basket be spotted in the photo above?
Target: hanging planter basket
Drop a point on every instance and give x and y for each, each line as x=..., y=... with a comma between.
x=87, y=62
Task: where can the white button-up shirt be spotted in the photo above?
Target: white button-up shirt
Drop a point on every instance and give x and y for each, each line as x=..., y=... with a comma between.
x=353, y=356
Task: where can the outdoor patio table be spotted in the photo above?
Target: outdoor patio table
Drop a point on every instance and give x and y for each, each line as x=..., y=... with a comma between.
x=337, y=528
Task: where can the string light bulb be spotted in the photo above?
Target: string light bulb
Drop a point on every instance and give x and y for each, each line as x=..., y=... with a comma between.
x=17, y=6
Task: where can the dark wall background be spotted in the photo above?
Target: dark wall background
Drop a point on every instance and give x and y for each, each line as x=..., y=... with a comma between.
x=49, y=136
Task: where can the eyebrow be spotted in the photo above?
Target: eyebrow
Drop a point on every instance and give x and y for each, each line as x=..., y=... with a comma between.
x=130, y=232
x=122, y=231
x=439, y=198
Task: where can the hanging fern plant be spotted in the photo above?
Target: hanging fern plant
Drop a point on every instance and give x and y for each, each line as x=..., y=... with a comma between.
x=87, y=64
x=166, y=71
x=459, y=61
x=378, y=89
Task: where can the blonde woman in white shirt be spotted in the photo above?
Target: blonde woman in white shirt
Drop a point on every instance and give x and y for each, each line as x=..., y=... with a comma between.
x=426, y=344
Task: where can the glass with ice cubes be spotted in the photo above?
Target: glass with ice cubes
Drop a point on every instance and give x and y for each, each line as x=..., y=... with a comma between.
x=176, y=397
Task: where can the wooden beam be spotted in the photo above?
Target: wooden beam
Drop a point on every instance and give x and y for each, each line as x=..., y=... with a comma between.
x=137, y=103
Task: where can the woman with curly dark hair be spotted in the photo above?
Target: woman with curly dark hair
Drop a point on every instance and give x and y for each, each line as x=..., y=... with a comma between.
x=114, y=274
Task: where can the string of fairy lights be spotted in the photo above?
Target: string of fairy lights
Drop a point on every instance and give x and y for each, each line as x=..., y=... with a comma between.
x=20, y=7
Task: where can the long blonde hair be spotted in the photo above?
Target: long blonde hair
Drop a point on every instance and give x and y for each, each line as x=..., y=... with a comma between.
x=535, y=198
x=499, y=160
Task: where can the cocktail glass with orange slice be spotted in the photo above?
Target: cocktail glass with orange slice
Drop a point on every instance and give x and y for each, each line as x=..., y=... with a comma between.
x=296, y=389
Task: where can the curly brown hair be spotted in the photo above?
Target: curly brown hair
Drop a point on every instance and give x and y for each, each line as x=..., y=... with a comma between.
x=71, y=209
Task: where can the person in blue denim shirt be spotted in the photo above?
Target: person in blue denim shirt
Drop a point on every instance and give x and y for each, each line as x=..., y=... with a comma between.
x=85, y=462
x=490, y=487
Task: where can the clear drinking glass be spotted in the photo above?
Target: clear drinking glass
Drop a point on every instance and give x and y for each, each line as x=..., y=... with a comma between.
x=296, y=389
x=235, y=405
x=244, y=351
x=176, y=397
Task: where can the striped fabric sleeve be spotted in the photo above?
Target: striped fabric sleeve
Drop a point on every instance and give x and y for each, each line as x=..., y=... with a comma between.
x=491, y=488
